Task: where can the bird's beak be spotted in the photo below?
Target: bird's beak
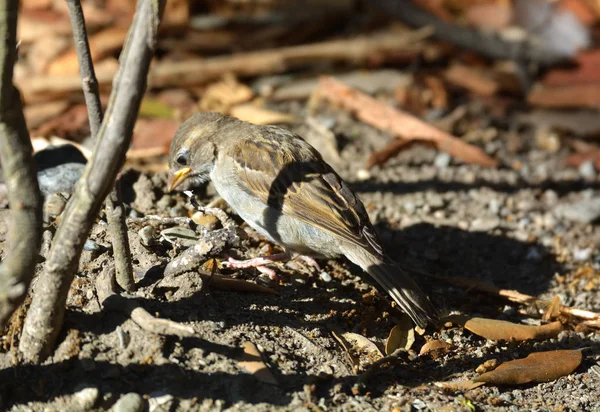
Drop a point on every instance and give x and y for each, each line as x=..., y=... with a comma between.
x=178, y=177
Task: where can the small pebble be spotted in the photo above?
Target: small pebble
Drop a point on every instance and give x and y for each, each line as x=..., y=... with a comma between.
x=581, y=255
x=363, y=174
x=325, y=277
x=148, y=235
x=123, y=336
x=442, y=160
x=86, y=398
x=485, y=224
x=419, y=404
x=91, y=246
x=130, y=402
x=587, y=170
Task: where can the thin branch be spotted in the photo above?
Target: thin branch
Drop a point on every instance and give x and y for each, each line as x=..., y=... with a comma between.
x=86, y=67
x=117, y=229
x=114, y=205
x=25, y=234
x=46, y=314
x=490, y=45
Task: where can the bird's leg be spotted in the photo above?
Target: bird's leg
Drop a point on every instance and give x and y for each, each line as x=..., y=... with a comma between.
x=308, y=260
x=259, y=263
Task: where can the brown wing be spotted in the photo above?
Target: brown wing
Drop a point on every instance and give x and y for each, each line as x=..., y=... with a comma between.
x=290, y=176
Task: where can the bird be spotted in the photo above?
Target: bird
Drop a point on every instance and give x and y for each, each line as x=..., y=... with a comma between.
x=281, y=187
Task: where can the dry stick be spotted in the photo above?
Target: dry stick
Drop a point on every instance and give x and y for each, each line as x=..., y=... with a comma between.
x=359, y=50
x=114, y=206
x=402, y=124
x=112, y=301
x=25, y=234
x=489, y=44
x=46, y=314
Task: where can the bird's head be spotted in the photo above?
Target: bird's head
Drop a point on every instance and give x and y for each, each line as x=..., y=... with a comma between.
x=193, y=150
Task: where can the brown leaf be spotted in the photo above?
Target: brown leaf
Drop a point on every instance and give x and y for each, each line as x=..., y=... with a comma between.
x=494, y=329
x=402, y=124
x=434, y=348
x=154, y=133
x=566, y=96
x=472, y=79
x=537, y=367
x=458, y=385
x=252, y=362
x=363, y=345
x=401, y=336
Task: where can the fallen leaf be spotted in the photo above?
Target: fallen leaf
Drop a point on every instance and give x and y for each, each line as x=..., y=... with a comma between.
x=494, y=329
x=488, y=365
x=363, y=345
x=402, y=124
x=259, y=115
x=566, y=96
x=222, y=95
x=251, y=361
x=434, y=348
x=458, y=385
x=401, y=336
x=585, y=72
x=471, y=79
x=537, y=367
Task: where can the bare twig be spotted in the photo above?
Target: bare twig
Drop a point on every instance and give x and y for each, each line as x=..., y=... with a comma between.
x=117, y=228
x=356, y=51
x=86, y=67
x=402, y=124
x=46, y=314
x=114, y=206
x=491, y=45
x=25, y=234
x=112, y=301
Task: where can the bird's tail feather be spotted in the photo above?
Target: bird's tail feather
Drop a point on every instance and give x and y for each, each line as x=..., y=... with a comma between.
x=401, y=288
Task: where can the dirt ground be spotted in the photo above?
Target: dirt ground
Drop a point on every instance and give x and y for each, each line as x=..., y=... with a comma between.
x=521, y=228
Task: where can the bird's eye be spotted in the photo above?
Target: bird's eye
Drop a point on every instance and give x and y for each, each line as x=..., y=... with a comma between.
x=182, y=159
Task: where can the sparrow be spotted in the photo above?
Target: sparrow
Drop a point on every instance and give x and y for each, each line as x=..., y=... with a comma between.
x=281, y=186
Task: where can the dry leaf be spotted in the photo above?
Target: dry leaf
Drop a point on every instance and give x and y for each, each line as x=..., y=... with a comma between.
x=472, y=79
x=537, y=367
x=401, y=336
x=363, y=345
x=402, y=124
x=259, y=115
x=494, y=329
x=458, y=385
x=252, y=362
x=434, y=348
x=222, y=95
x=488, y=365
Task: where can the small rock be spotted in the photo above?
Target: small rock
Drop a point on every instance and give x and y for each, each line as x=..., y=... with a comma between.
x=533, y=254
x=581, y=255
x=159, y=402
x=325, y=277
x=584, y=211
x=485, y=224
x=494, y=206
x=587, y=170
x=86, y=398
x=363, y=174
x=147, y=235
x=418, y=404
x=130, y=402
x=91, y=246
x=442, y=160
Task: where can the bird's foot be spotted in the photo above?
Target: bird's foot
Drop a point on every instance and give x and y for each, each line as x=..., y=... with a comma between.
x=309, y=261
x=258, y=263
